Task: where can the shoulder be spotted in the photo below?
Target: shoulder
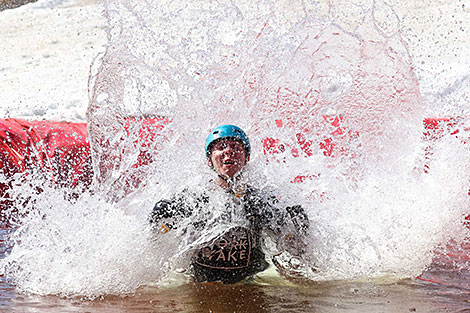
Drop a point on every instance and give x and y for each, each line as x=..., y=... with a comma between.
x=264, y=193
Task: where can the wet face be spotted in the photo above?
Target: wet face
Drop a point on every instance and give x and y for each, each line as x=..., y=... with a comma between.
x=228, y=157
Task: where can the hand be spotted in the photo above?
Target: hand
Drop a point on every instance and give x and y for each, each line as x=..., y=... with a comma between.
x=294, y=268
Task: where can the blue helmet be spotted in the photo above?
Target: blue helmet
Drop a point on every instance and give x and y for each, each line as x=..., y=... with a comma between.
x=227, y=132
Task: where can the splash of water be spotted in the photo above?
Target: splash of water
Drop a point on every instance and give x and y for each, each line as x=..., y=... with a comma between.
x=280, y=71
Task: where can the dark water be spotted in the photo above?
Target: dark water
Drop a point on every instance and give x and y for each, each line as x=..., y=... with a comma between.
x=11, y=4
x=445, y=288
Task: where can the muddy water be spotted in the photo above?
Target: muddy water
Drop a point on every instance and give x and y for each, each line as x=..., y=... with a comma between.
x=445, y=290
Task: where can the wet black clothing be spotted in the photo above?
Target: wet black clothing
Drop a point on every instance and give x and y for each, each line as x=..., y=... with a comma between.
x=236, y=252
x=229, y=258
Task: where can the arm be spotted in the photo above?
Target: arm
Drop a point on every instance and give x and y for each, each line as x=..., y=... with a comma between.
x=167, y=213
x=292, y=262
x=296, y=230
x=288, y=225
x=299, y=219
x=162, y=216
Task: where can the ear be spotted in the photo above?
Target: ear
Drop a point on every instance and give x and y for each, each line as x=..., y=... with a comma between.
x=209, y=162
x=247, y=158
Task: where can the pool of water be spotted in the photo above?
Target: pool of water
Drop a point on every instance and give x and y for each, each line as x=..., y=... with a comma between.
x=441, y=288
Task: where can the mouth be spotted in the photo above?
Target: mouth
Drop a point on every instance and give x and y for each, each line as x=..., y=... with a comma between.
x=229, y=162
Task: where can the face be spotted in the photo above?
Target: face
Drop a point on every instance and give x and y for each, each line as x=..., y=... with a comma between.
x=228, y=157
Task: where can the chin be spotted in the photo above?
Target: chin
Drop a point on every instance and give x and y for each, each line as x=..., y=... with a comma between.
x=228, y=174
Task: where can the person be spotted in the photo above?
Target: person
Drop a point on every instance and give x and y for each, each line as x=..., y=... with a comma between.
x=240, y=213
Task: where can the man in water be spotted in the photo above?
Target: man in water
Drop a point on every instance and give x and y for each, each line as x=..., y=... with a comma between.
x=234, y=214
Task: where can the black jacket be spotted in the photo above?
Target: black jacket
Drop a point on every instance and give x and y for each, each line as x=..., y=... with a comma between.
x=236, y=252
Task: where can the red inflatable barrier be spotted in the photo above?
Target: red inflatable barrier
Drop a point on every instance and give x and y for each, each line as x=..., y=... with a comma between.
x=437, y=128
x=61, y=150
x=275, y=148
